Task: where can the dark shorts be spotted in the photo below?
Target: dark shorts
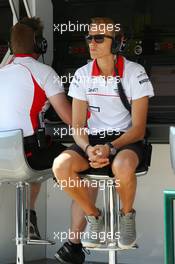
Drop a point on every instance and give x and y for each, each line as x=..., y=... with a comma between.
x=137, y=147
x=42, y=158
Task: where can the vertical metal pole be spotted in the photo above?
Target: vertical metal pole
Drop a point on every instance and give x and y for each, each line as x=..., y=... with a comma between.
x=27, y=8
x=28, y=211
x=169, y=196
x=111, y=208
x=20, y=221
x=112, y=253
x=105, y=210
x=118, y=214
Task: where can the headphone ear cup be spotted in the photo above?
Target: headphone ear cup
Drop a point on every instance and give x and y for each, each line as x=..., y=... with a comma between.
x=40, y=45
x=116, y=44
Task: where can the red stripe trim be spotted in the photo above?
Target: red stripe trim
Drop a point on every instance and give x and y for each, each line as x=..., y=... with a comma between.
x=39, y=100
x=28, y=154
x=88, y=115
x=119, y=65
x=104, y=95
x=107, y=95
x=21, y=55
x=95, y=69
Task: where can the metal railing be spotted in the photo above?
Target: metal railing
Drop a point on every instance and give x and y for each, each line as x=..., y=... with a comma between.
x=169, y=197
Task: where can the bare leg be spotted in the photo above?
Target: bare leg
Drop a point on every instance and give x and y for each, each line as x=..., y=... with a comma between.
x=123, y=167
x=78, y=222
x=67, y=167
x=35, y=189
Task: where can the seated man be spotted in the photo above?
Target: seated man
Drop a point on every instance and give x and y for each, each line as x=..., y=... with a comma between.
x=115, y=137
x=26, y=86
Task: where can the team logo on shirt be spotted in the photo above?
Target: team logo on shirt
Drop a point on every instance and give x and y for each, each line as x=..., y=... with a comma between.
x=92, y=90
x=94, y=108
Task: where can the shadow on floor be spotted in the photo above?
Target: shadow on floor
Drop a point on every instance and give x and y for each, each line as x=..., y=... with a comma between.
x=51, y=261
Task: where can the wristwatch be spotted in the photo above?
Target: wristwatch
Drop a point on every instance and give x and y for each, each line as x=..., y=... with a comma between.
x=113, y=150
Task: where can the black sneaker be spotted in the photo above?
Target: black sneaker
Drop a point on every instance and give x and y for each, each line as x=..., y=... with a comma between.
x=33, y=228
x=67, y=254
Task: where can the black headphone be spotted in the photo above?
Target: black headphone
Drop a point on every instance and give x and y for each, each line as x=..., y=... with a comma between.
x=116, y=44
x=40, y=43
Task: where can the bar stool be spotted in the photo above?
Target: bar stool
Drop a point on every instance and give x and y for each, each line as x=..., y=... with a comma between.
x=14, y=169
x=111, y=206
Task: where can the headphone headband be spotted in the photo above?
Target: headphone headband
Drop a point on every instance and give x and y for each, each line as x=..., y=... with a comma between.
x=116, y=44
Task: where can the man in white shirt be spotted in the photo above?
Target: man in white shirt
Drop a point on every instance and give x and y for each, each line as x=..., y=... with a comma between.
x=26, y=85
x=114, y=134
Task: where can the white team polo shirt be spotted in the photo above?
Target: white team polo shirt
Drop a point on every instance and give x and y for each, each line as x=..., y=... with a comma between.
x=25, y=86
x=106, y=110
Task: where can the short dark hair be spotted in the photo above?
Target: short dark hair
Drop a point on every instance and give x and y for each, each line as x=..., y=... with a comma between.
x=23, y=34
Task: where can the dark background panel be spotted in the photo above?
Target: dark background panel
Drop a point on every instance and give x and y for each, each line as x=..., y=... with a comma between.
x=150, y=29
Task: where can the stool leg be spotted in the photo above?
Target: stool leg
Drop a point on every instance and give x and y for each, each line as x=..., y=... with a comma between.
x=20, y=254
x=28, y=210
x=111, y=211
x=105, y=209
x=20, y=221
x=112, y=253
x=118, y=215
x=112, y=257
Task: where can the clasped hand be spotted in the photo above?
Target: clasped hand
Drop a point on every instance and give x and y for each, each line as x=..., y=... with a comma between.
x=98, y=156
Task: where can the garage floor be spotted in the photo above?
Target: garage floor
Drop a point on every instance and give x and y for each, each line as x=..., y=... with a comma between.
x=51, y=261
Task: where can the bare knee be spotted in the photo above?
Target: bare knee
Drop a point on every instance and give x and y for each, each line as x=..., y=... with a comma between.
x=124, y=167
x=62, y=167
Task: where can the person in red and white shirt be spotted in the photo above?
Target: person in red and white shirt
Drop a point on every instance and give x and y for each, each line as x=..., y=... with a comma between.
x=26, y=85
x=111, y=134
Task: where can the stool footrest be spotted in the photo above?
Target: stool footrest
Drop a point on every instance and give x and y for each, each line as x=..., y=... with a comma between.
x=111, y=248
x=40, y=242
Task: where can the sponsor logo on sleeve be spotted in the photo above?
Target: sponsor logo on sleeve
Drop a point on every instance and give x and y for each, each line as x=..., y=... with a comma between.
x=144, y=80
x=142, y=74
